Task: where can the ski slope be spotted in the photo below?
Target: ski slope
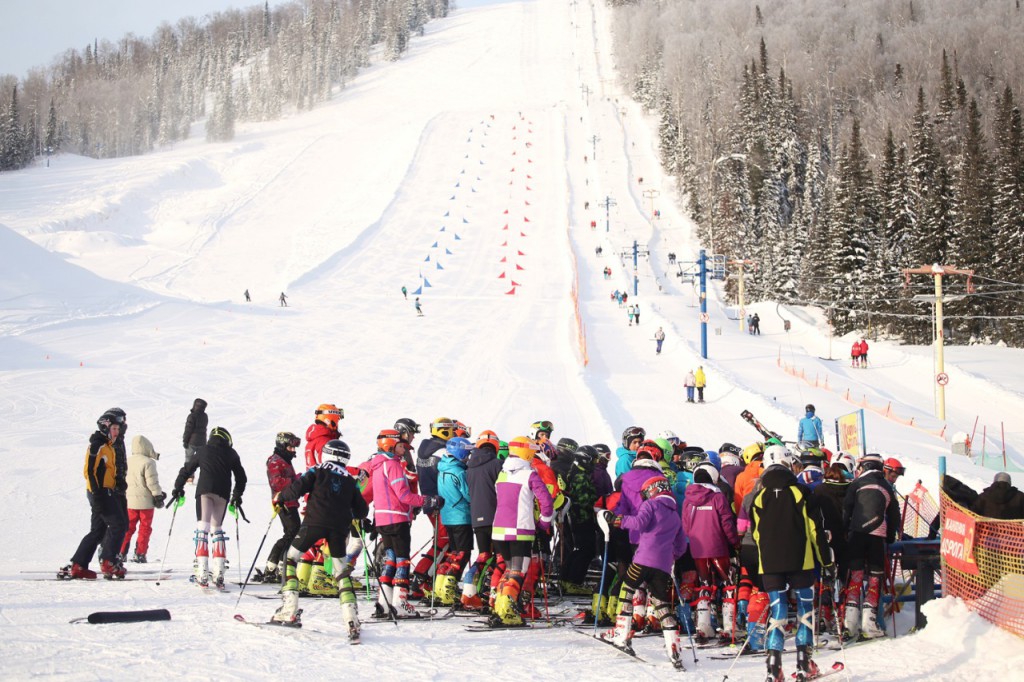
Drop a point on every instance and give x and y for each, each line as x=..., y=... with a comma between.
x=460, y=167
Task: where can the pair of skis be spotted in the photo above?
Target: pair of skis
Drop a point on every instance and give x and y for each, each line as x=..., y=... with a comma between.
x=353, y=630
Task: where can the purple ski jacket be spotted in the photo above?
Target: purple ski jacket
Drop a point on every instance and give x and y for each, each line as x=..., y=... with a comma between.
x=659, y=532
x=630, y=483
x=709, y=522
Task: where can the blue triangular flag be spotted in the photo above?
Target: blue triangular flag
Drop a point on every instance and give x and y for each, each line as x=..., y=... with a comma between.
x=419, y=290
x=445, y=214
x=458, y=237
x=451, y=198
x=442, y=229
x=465, y=221
x=447, y=252
x=457, y=184
x=427, y=259
x=434, y=245
x=426, y=283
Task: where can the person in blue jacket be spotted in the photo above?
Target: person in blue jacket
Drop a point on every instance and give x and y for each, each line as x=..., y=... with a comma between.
x=809, y=429
x=626, y=453
x=452, y=486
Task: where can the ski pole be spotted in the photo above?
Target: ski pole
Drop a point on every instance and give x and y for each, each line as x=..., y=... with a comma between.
x=259, y=549
x=437, y=520
x=544, y=585
x=604, y=566
x=686, y=622
x=764, y=615
x=163, y=561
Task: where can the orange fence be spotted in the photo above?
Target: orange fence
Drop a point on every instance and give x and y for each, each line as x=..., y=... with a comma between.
x=983, y=564
x=581, y=330
x=822, y=382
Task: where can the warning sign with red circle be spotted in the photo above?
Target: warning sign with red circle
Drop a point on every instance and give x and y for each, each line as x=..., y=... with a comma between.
x=704, y=317
x=942, y=378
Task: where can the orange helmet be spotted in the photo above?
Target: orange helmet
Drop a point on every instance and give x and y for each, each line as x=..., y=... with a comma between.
x=523, y=448
x=488, y=438
x=462, y=431
x=387, y=439
x=329, y=415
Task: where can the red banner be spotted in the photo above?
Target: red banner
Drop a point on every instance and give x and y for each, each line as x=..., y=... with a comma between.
x=958, y=541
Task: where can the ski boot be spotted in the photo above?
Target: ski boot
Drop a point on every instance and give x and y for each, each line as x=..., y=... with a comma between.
x=138, y=558
x=272, y=576
x=350, y=618
x=574, y=589
x=774, y=661
x=851, y=623
x=416, y=590
x=446, y=588
x=672, y=648
x=75, y=572
x=869, y=624
x=806, y=668
x=288, y=613
x=403, y=608
x=112, y=570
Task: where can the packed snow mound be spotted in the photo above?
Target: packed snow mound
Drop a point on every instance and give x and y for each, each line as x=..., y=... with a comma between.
x=39, y=288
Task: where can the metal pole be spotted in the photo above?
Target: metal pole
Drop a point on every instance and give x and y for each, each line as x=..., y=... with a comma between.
x=636, y=280
x=703, y=304
x=743, y=312
x=941, y=414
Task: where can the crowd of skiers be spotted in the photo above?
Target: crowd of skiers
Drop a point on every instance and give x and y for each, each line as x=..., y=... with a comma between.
x=730, y=533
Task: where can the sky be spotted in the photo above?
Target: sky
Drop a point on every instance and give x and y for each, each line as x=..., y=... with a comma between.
x=464, y=171
x=33, y=33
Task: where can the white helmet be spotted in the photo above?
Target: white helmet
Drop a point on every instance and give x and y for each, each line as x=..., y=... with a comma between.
x=778, y=454
x=846, y=461
x=729, y=459
x=710, y=469
x=670, y=436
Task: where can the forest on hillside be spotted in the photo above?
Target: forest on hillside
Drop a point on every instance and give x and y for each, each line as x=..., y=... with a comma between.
x=833, y=145
x=118, y=99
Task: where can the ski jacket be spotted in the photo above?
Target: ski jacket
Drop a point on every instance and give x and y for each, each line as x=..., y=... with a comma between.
x=630, y=485
x=580, y=487
x=317, y=436
x=602, y=481
x=334, y=499
x=786, y=525
x=709, y=522
x=1000, y=501
x=699, y=380
x=550, y=479
x=809, y=429
x=811, y=476
x=393, y=501
x=690, y=379
x=518, y=487
x=143, y=480
x=217, y=462
x=100, y=464
x=428, y=454
x=729, y=473
x=863, y=347
x=855, y=350
x=482, y=469
x=121, y=459
x=623, y=460
x=195, y=425
x=659, y=532
x=280, y=475
x=746, y=481
x=829, y=497
x=870, y=507
x=452, y=486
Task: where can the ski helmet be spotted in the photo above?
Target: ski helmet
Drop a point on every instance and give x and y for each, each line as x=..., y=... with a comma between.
x=106, y=420
x=336, y=451
x=603, y=451
x=667, y=449
x=539, y=427
x=458, y=447
x=329, y=415
x=655, y=487
x=714, y=459
x=871, y=462
x=705, y=469
x=286, y=440
x=502, y=449
x=407, y=427
x=752, y=452
x=670, y=436
x=122, y=417
x=778, y=455
x=846, y=461
x=462, y=431
x=443, y=428
x=585, y=456
x=490, y=438
x=649, y=448
x=523, y=447
x=222, y=433
x=387, y=439
x=567, y=446
x=631, y=434
x=730, y=448
x=893, y=464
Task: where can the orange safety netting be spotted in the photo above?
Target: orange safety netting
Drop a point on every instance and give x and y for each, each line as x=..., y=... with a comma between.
x=919, y=510
x=983, y=564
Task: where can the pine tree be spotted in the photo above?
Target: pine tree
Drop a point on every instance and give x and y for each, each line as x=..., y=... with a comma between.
x=14, y=150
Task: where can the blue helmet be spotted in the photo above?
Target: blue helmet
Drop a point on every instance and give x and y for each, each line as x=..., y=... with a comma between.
x=715, y=459
x=458, y=447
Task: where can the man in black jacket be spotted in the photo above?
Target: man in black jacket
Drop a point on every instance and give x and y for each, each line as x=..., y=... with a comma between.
x=217, y=461
x=482, y=469
x=334, y=501
x=195, y=429
x=1000, y=500
x=872, y=517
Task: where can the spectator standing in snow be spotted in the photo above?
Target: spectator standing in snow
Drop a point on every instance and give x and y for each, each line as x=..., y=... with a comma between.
x=636, y=314
x=689, y=382
x=283, y=299
x=1001, y=500
x=809, y=429
x=195, y=429
x=144, y=494
x=755, y=324
x=659, y=338
x=863, y=353
x=248, y=299
x=855, y=354
x=631, y=313
x=700, y=381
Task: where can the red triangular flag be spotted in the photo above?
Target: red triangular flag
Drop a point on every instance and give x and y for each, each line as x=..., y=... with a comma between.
x=525, y=219
x=505, y=243
x=516, y=284
x=501, y=276
x=520, y=253
x=511, y=292
x=519, y=267
x=522, y=234
x=503, y=260
x=526, y=202
x=505, y=212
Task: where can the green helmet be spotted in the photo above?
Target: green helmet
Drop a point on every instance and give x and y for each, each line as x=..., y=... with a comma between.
x=502, y=449
x=666, y=448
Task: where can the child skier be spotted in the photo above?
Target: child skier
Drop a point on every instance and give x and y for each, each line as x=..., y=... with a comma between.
x=333, y=502
x=452, y=486
x=280, y=475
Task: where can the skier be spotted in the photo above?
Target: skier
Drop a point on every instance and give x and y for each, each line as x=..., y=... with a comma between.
x=144, y=494
x=855, y=354
x=710, y=526
x=755, y=324
x=636, y=314
x=700, y=381
x=248, y=299
x=579, y=543
x=660, y=539
x=284, y=300
x=107, y=523
x=393, y=504
x=323, y=429
x=893, y=469
x=632, y=437
x=659, y=338
x=631, y=312
x=809, y=430
x=690, y=382
x=829, y=497
x=1001, y=500
x=872, y=516
x=540, y=431
x=428, y=456
x=217, y=461
x=863, y=353
x=790, y=545
x=732, y=465
x=195, y=429
x=419, y=308
x=455, y=515
x=405, y=293
x=482, y=469
x=514, y=530
x=280, y=475
x=333, y=503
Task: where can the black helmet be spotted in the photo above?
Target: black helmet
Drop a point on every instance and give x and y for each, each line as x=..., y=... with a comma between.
x=407, y=427
x=585, y=455
x=809, y=408
x=729, y=447
x=603, y=451
x=632, y=433
x=567, y=446
x=286, y=442
x=336, y=451
x=221, y=432
x=107, y=419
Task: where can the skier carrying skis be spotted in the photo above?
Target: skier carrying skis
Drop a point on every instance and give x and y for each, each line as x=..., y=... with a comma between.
x=790, y=545
x=281, y=474
x=217, y=461
x=393, y=504
x=334, y=502
x=107, y=522
x=809, y=429
x=660, y=541
x=514, y=530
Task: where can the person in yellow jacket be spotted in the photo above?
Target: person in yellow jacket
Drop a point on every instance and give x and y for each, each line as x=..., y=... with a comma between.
x=108, y=520
x=700, y=381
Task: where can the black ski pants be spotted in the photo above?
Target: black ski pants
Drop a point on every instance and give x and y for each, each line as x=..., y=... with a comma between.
x=108, y=523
